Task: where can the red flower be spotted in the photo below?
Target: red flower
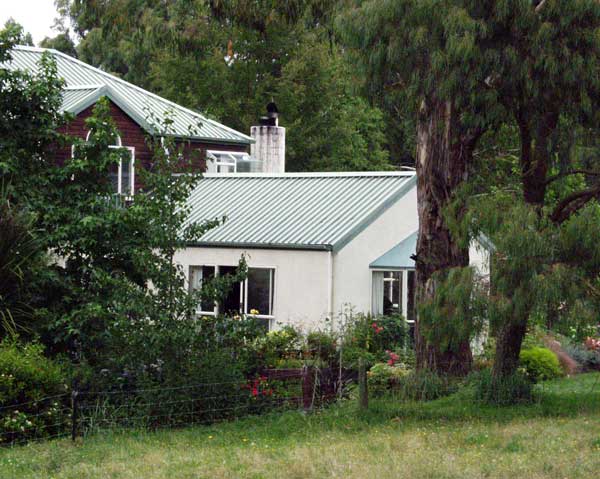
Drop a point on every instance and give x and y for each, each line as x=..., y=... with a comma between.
x=393, y=357
x=255, y=391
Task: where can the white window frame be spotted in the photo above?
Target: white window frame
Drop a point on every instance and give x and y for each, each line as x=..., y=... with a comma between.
x=193, y=268
x=243, y=304
x=403, y=291
x=119, y=146
x=272, y=276
x=229, y=159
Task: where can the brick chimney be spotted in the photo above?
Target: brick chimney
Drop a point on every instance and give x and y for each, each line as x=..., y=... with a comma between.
x=269, y=146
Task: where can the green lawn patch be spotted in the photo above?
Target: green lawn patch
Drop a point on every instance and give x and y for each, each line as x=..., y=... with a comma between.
x=556, y=437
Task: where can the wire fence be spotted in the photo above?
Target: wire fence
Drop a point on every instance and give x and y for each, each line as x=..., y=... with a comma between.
x=81, y=413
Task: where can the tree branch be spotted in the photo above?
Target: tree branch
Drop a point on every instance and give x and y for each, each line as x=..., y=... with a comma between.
x=572, y=172
x=539, y=6
x=572, y=203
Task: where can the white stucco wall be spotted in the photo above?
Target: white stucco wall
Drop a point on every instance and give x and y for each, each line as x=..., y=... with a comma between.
x=479, y=257
x=311, y=286
x=302, y=279
x=352, y=276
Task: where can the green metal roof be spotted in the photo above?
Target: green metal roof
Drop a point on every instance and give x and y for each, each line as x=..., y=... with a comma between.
x=399, y=257
x=294, y=210
x=85, y=84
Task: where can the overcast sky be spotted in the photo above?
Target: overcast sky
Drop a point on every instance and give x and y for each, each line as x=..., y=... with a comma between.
x=36, y=16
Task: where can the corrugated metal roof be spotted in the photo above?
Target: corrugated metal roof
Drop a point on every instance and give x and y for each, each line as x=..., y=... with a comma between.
x=144, y=107
x=302, y=210
x=399, y=257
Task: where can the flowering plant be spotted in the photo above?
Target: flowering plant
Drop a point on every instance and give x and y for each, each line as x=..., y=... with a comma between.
x=592, y=344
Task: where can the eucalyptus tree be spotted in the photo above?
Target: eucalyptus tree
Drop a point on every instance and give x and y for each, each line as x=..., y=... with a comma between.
x=469, y=67
x=428, y=49
x=544, y=65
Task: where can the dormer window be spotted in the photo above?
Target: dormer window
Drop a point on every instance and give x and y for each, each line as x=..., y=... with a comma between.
x=230, y=162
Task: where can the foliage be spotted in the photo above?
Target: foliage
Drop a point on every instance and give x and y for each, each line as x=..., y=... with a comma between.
x=588, y=360
x=322, y=346
x=36, y=386
x=255, y=52
x=513, y=389
x=540, y=364
x=383, y=377
x=21, y=258
x=457, y=311
x=280, y=347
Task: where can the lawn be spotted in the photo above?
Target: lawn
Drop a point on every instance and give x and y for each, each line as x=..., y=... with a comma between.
x=557, y=437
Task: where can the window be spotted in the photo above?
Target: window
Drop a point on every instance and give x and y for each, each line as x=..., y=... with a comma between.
x=231, y=162
x=392, y=285
x=393, y=292
x=121, y=175
x=254, y=295
x=259, y=291
x=199, y=274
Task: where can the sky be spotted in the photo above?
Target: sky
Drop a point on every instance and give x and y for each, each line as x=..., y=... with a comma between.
x=36, y=16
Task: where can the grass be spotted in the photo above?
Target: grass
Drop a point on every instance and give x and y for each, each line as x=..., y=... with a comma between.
x=556, y=437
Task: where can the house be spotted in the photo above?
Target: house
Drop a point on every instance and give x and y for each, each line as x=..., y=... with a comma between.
x=316, y=244
x=136, y=113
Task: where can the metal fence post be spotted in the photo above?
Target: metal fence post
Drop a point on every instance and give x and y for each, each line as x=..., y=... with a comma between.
x=363, y=390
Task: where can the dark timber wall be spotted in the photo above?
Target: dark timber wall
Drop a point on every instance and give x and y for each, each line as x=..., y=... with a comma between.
x=133, y=135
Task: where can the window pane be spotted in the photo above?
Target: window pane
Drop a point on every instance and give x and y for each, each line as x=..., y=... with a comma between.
x=198, y=276
x=113, y=176
x=392, y=285
x=230, y=305
x=126, y=177
x=259, y=290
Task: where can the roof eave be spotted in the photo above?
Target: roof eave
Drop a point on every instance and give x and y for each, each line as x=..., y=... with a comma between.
x=246, y=245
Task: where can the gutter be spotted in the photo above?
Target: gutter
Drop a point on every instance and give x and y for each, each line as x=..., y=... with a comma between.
x=284, y=246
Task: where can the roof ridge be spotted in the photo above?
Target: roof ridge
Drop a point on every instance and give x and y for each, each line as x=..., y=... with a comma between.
x=315, y=174
x=128, y=84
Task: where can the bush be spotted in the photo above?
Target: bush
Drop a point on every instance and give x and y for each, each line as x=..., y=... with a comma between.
x=33, y=392
x=514, y=389
x=383, y=377
x=322, y=346
x=376, y=335
x=540, y=364
x=588, y=360
x=280, y=347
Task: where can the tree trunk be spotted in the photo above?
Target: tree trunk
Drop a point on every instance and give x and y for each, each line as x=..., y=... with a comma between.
x=508, y=347
x=442, y=160
x=535, y=155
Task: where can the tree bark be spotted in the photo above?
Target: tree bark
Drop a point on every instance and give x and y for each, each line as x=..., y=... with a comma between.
x=442, y=165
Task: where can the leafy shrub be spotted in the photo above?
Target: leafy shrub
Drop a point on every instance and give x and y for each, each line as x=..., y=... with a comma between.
x=33, y=392
x=383, y=377
x=323, y=346
x=376, y=335
x=280, y=347
x=588, y=360
x=517, y=388
x=540, y=364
